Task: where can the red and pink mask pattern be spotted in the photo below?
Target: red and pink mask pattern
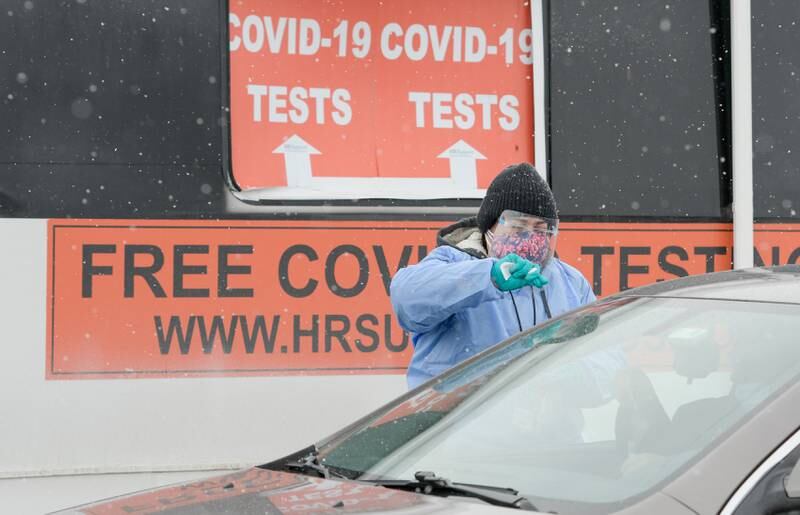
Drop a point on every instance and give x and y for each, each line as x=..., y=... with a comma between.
x=531, y=245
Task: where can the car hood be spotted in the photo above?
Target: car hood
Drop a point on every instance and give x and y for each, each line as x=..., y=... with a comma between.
x=271, y=492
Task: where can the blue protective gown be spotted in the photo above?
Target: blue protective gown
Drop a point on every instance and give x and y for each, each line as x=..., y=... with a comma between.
x=453, y=310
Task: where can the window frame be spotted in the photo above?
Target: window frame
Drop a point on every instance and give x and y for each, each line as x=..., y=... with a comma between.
x=748, y=485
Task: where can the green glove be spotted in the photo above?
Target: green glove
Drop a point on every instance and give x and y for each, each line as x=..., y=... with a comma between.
x=509, y=272
x=535, y=278
x=513, y=272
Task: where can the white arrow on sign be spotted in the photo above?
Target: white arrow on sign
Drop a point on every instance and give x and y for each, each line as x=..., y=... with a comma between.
x=463, y=167
x=297, y=157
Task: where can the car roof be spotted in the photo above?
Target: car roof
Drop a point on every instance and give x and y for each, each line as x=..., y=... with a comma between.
x=780, y=284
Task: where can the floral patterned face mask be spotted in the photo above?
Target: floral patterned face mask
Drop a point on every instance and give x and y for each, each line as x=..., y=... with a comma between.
x=529, y=237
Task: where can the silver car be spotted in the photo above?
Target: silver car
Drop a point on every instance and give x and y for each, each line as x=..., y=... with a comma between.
x=679, y=397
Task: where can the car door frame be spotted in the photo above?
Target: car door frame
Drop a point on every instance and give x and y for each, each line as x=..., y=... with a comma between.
x=763, y=470
x=714, y=482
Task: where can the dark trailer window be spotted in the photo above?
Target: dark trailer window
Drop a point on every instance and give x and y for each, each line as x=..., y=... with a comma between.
x=776, y=109
x=112, y=109
x=638, y=118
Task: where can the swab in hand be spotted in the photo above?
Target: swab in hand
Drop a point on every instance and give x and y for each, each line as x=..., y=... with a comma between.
x=506, y=269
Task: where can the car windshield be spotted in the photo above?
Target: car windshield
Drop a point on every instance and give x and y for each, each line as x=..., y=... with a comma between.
x=591, y=410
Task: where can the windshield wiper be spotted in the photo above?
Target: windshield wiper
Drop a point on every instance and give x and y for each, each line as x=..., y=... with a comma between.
x=430, y=483
x=304, y=462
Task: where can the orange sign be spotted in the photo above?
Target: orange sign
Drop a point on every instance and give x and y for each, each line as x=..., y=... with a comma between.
x=210, y=298
x=618, y=256
x=350, y=99
x=776, y=244
x=181, y=298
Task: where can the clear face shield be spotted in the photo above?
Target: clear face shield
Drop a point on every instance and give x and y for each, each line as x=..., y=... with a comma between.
x=530, y=237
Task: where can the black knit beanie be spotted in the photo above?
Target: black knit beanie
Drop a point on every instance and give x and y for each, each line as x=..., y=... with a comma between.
x=520, y=188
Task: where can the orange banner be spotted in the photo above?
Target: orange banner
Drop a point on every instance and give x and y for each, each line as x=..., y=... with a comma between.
x=192, y=298
x=206, y=298
x=349, y=98
x=776, y=244
x=616, y=257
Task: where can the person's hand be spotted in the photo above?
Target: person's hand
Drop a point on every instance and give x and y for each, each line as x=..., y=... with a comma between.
x=506, y=272
x=535, y=278
x=513, y=272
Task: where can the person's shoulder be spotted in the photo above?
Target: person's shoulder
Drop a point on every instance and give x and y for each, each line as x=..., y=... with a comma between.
x=449, y=253
x=574, y=278
x=571, y=273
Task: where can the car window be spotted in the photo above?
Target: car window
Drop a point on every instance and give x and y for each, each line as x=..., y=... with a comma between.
x=595, y=408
